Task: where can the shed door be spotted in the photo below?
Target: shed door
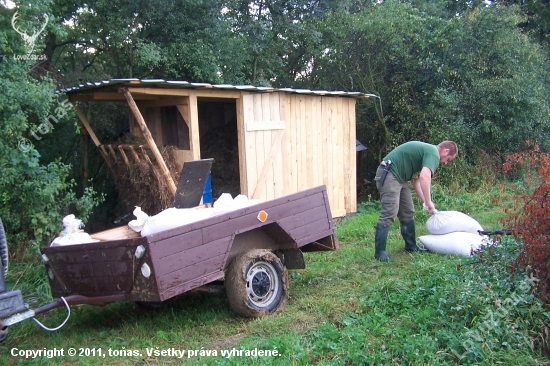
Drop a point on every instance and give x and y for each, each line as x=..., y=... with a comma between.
x=264, y=145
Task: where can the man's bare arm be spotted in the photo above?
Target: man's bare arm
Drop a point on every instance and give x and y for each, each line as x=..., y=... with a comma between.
x=422, y=186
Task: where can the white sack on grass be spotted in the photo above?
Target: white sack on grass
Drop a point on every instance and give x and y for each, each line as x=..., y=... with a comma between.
x=71, y=233
x=458, y=243
x=446, y=222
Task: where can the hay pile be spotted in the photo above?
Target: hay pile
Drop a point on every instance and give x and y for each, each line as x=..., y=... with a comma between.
x=142, y=186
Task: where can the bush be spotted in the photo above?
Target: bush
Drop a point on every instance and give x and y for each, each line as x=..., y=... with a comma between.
x=529, y=220
x=34, y=195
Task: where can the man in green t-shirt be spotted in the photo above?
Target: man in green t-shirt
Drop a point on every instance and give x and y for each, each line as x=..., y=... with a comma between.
x=392, y=180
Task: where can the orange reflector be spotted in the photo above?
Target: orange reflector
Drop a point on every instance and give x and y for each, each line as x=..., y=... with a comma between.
x=262, y=216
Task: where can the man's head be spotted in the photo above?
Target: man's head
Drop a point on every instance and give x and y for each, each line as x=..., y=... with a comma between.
x=447, y=151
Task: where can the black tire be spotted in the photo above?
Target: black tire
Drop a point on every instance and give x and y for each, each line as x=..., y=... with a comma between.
x=257, y=284
x=3, y=249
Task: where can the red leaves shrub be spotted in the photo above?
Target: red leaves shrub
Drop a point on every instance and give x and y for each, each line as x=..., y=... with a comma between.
x=529, y=220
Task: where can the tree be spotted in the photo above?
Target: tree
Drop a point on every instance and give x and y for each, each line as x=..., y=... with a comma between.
x=34, y=195
x=277, y=36
x=499, y=77
x=535, y=20
x=473, y=78
x=184, y=40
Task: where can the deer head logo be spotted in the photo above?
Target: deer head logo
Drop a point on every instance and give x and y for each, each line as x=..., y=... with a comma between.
x=29, y=40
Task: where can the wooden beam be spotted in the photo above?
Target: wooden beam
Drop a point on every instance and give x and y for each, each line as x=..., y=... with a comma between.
x=92, y=135
x=208, y=93
x=184, y=112
x=114, y=96
x=86, y=125
x=164, y=102
x=194, y=138
x=149, y=139
x=134, y=154
x=112, y=151
x=106, y=97
x=159, y=91
x=126, y=161
x=225, y=94
x=242, y=147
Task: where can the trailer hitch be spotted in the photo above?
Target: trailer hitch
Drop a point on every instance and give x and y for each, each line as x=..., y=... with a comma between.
x=26, y=313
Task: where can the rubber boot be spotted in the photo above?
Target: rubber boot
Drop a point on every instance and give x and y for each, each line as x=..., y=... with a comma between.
x=380, y=239
x=409, y=234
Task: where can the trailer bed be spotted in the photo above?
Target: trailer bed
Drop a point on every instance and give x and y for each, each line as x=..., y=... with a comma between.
x=187, y=257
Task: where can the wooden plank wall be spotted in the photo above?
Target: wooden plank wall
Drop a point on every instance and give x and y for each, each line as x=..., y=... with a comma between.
x=264, y=147
x=320, y=143
x=317, y=147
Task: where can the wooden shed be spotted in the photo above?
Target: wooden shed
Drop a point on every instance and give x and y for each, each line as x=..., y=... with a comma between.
x=288, y=140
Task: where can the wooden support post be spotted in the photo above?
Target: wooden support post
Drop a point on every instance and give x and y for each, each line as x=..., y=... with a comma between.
x=150, y=142
x=92, y=135
x=105, y=155
x=194, y=139
x=87, y=125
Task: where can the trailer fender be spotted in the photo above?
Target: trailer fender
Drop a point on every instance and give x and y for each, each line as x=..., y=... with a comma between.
x=293, y=259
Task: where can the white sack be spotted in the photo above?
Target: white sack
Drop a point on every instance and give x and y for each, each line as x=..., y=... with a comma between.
x=227, y=203
x=139, y=222
x=71, y=233
x=459, y=243
x=446, y=222
x=174, y=217
x=73, y=238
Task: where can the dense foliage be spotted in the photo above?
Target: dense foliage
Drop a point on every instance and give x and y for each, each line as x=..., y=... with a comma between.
x=34, y=195
x=476, y=78
x=529, y=220
x=460, y=70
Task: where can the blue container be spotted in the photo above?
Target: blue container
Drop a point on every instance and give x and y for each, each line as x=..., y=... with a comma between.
x=207, y=193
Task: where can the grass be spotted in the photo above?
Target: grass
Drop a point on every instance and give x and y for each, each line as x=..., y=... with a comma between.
x=345, y=309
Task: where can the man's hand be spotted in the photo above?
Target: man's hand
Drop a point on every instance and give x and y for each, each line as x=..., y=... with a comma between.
x=429, y=208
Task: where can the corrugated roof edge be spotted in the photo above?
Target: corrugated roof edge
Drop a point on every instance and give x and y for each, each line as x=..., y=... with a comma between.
x=185, y=84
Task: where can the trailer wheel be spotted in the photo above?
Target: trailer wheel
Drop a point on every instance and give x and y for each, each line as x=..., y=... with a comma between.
x=256, y=284
x=3, y=249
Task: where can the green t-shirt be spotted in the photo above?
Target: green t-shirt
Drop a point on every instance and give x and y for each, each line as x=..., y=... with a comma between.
x=409, y=158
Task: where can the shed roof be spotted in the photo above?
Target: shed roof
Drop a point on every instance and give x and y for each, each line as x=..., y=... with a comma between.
x=178, y=84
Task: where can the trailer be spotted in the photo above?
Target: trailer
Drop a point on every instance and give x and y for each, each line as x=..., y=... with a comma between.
x=250, y=249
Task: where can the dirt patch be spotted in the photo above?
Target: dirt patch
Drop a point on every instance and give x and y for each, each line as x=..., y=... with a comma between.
x=229, y=342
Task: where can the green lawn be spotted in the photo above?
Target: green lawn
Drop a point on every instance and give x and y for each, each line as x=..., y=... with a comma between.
x=345, y=309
